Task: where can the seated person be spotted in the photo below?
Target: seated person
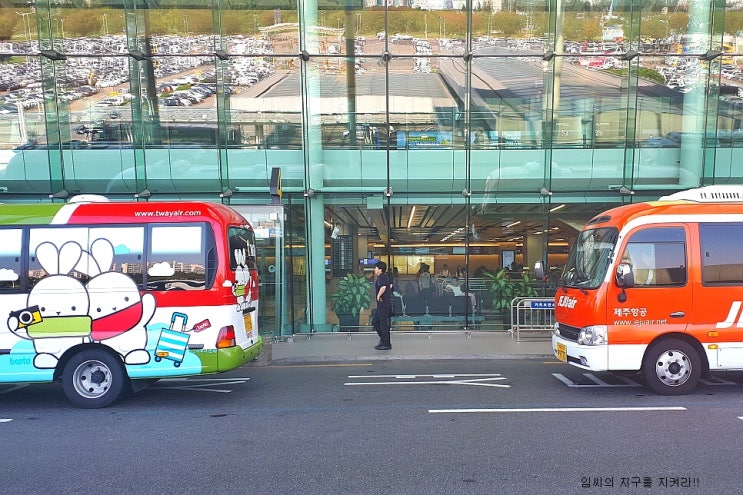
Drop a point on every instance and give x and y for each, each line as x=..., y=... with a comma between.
x=453, y=288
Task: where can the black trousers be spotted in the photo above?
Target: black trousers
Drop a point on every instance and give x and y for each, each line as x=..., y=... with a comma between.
x=381, y=322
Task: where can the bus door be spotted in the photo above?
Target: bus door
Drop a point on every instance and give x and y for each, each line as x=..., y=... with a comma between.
x=661, y=299
x=268, y=225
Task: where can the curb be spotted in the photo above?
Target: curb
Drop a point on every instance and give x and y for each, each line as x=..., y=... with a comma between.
x=413, y=357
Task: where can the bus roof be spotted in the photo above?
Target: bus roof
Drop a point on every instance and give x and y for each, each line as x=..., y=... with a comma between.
x=116, y=212
x=708, y=200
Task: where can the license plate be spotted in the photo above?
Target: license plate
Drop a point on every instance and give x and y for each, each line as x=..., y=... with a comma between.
x=562, y=352
x=248, y=323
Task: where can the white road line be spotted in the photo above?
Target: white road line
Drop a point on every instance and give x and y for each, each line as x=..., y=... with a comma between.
x=192, y=379
x=440, y=375
x=559, y=409
x=200, y=387
x=5, y=420
x=477, y=382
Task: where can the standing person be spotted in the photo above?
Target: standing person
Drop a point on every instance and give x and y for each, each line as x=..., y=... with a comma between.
x=383, y=294
x=424, y=281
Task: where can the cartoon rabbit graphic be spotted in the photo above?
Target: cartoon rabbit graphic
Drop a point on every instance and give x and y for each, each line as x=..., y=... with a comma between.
x=56, y=316
x=242, y=288
x=119, y=313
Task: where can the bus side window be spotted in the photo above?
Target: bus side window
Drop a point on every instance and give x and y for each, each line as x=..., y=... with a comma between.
x=10, y=259
x=176, y=258
x=211, y=258
x=658, y=257
x=128, y=250
x=722, y=258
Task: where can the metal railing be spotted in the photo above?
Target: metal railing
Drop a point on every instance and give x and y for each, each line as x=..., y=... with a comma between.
x=532, y=315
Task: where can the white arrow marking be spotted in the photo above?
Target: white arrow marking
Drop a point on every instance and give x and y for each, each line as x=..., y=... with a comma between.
x=482, y=382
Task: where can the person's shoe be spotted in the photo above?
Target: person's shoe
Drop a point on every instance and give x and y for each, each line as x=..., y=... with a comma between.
x=382, y=347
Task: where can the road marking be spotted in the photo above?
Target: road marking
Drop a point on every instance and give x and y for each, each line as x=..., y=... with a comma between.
x=596, y=382
x=336, y=365
x=5, y=420
x=483, y=380
x=559, y=409
x=714, y=380
x=14, y=388
x=201, y=387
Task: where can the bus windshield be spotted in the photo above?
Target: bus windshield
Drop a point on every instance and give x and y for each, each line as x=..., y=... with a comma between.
x=589, y=258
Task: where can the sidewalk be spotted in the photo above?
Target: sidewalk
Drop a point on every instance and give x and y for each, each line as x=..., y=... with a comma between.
x=345, y=347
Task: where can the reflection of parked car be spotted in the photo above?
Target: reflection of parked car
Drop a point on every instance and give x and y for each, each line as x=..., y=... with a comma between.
x=673, y=139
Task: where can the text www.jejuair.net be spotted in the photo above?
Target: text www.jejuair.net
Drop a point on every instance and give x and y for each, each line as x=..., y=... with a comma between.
x=640, y=322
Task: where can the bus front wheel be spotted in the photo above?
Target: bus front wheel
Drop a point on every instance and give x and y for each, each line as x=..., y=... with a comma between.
x=92, y=379
x=672, y=367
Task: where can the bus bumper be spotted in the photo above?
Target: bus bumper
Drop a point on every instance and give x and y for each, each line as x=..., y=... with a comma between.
x=234, y=357
x=589, y=357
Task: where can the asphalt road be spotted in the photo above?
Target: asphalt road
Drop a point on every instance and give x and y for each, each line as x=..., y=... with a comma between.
x=392, y=427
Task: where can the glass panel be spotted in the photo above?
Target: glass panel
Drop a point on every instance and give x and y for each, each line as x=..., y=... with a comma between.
x=10, y=259
x=128, y=251
x=177, y=258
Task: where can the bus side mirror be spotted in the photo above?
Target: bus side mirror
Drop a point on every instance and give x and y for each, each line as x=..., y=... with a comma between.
x=624, y=279
x=539, y=270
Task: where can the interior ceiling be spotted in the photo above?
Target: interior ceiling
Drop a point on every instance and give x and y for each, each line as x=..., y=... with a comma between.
x=448, y=223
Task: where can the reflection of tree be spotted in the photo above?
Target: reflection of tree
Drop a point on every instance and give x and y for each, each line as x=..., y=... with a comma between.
x=8, y=22
x=81, y=23
x=509, y=23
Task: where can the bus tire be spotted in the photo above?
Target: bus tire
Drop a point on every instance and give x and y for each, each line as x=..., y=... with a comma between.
x=672, y=367
x=93, y=379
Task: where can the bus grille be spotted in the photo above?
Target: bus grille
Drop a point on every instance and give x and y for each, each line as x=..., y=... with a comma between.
x=568, y=332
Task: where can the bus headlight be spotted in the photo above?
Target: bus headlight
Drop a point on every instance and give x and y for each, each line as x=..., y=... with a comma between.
x=556, y=329
x=593, y=335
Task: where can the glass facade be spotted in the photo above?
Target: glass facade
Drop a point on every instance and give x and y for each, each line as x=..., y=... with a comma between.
x=460, y=135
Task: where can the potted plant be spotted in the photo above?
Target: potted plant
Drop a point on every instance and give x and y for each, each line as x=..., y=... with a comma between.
x=504, y=289
x=352, y=295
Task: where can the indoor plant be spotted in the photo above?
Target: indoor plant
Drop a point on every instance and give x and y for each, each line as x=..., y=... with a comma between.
x=352, y=295
x=504, y=289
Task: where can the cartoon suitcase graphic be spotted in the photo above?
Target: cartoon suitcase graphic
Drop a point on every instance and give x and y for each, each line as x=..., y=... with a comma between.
x=172, y=343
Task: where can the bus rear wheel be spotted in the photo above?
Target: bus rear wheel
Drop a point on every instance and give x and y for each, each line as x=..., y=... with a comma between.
x=672, y=367
x=93, y=379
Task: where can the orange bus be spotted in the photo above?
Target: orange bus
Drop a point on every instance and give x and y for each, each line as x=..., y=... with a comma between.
x=98, y=294
x=657, y=287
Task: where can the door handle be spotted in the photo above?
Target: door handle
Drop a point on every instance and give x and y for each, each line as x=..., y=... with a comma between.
x=677, y=314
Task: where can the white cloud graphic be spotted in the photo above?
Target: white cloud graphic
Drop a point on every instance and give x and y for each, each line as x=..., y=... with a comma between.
x=8, y=275
x=161, y=270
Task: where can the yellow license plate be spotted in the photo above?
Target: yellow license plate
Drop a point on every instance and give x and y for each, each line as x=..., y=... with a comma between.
x=248, y=323
x=562, y=352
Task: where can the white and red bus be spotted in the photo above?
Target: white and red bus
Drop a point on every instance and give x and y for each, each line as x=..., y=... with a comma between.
x=98, y=294
x=657, y=288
